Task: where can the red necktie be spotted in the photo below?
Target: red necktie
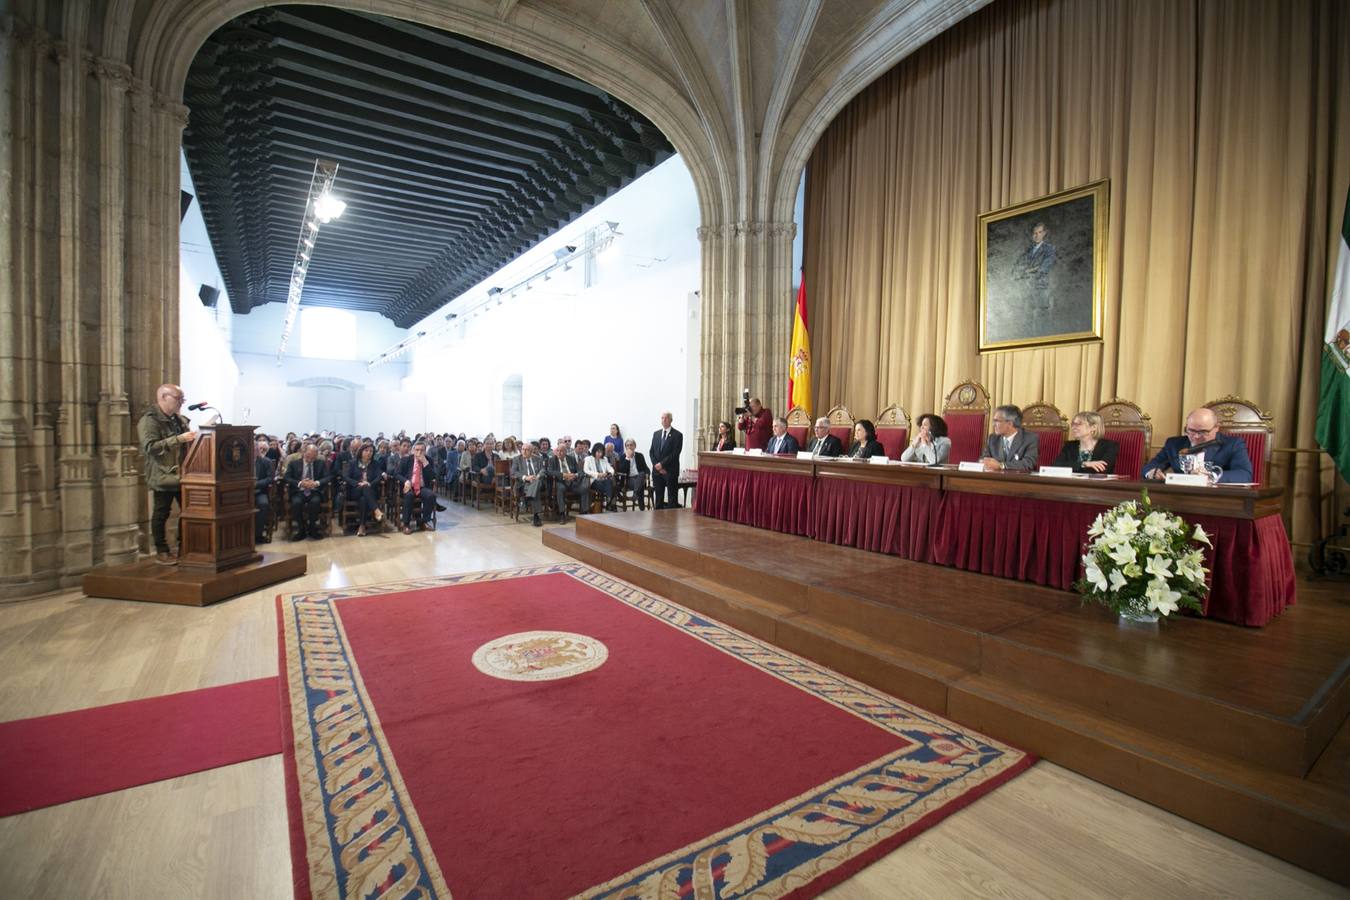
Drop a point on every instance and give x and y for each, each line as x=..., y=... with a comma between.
x=417, y=476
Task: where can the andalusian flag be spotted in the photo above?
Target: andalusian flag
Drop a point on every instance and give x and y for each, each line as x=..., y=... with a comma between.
x=799, y=365
x=1333, y=408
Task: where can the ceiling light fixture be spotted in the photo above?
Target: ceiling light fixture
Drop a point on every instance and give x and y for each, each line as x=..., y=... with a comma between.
x=592, y=242
x=320, y=207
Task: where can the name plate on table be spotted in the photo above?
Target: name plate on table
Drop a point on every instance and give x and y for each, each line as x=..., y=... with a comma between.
x=879, y=460
x=971, y=467
x=805, y=454
x=738, y=451
x=1056, y=471
x=1191, y=480
x=754, y=453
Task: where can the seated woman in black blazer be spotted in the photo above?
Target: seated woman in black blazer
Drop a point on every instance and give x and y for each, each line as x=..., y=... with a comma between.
x=1089, y=452
x=865, y=444
x=726, y=437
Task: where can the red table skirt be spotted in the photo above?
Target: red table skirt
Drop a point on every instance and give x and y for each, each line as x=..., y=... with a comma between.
x=778, y=501
x=885, y=518
x=1035, y=540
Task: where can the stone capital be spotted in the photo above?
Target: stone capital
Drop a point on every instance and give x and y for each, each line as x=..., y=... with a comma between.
x=111, y=71
x=176, y=111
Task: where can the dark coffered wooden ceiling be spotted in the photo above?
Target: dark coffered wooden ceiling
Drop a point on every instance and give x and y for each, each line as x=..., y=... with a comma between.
x=455, y=156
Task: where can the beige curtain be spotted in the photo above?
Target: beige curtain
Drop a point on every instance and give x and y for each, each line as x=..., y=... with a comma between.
x=1224, y=128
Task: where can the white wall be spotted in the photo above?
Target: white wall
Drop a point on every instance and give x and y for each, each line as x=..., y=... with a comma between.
x=622, y=350
x=283, y=398
x=208, y=372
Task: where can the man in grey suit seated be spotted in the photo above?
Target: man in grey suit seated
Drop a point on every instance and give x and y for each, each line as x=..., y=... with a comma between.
x=568, y=478
x=527, y=472
x=1010, y=448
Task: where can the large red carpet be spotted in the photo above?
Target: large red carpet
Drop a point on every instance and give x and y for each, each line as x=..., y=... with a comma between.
x=68, y=756
x=552, y=731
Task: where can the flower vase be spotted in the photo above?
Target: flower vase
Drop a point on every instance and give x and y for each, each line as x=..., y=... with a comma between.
x=1137, y=613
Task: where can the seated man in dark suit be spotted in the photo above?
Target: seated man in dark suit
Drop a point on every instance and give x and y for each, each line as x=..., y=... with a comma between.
x=1205, y=445
x=667, y=444
x=483, y=470
x=419, y=488
x=264, y=470
x=1010, y=448
x=308, y=478
x=568, y=480
x=633, y=472
x=781, y=442
x=823, y=443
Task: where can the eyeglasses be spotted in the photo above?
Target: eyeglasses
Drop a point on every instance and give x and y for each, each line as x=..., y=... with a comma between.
x=1200, y=431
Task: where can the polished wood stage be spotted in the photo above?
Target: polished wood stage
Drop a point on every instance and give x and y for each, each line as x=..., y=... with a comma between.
x=147, y=581
x=1241, y=730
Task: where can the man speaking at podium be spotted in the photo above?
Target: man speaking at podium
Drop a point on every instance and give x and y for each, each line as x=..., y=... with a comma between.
x=162, y=432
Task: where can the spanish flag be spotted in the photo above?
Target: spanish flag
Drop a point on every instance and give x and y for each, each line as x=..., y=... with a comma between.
x=799, y=365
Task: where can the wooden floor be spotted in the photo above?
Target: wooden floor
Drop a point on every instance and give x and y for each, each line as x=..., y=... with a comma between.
x=1049, y=833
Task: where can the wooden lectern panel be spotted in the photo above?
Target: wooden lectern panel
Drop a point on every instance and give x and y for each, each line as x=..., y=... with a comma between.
x=217, y=499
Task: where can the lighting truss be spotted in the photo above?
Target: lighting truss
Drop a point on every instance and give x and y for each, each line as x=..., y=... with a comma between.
x=591, y=243
x=321, y=207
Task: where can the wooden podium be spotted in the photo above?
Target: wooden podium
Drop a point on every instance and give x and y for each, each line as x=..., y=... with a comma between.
x=216, y=556
x=216, y=518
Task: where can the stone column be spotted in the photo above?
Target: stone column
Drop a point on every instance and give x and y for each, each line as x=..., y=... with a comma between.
x=76, y=461
x=747, y=318
x=122, y=495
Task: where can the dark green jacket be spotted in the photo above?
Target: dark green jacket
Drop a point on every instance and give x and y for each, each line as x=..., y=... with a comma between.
x=157, y=435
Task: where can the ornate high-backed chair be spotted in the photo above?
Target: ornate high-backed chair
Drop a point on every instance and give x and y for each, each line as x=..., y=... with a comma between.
x=841, y=424
x=893, y=430
x=1050, y=427
x=799, y=425
x=1249, y=422
x=966, y=412
x=1126, y=424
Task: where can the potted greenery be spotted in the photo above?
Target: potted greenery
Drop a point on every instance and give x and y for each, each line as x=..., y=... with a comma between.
x=1143, y=563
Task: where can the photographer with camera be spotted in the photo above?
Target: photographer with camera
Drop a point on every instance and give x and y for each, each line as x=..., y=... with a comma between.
x=755, y=421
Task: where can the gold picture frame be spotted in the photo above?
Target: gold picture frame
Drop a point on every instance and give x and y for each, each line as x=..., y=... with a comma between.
x=1043, y=270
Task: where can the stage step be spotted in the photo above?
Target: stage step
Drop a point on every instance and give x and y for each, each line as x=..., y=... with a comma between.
x=1227, y=767
x=1296, y=819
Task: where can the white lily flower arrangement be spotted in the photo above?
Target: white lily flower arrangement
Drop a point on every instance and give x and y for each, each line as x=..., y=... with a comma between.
x=1144, y=563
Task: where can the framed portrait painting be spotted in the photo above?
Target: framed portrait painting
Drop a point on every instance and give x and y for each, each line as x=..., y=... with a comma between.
x=1043, y=270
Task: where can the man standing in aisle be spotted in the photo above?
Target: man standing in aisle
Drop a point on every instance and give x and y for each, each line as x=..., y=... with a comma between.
x=162, y=433
x=667, y=444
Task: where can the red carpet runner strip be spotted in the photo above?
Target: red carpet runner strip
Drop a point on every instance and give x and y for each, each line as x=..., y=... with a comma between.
x=68, y=756
x=552, y=731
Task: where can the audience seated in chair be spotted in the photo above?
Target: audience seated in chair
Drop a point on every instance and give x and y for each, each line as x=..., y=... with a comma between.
x=601, y=474
x=568, y=480
x=419, y=480
x=363, y=487
x=527, y=477
x=632, y=473
x=264, y=473
x=307, y=478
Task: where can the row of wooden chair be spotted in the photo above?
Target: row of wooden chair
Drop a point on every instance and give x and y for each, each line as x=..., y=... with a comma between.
x=507, y=498
x=967, y=411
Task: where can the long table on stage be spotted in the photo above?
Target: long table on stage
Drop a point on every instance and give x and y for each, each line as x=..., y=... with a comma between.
x=1028, y=527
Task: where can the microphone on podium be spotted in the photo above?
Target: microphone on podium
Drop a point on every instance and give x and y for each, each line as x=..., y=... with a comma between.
x=198, y=406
